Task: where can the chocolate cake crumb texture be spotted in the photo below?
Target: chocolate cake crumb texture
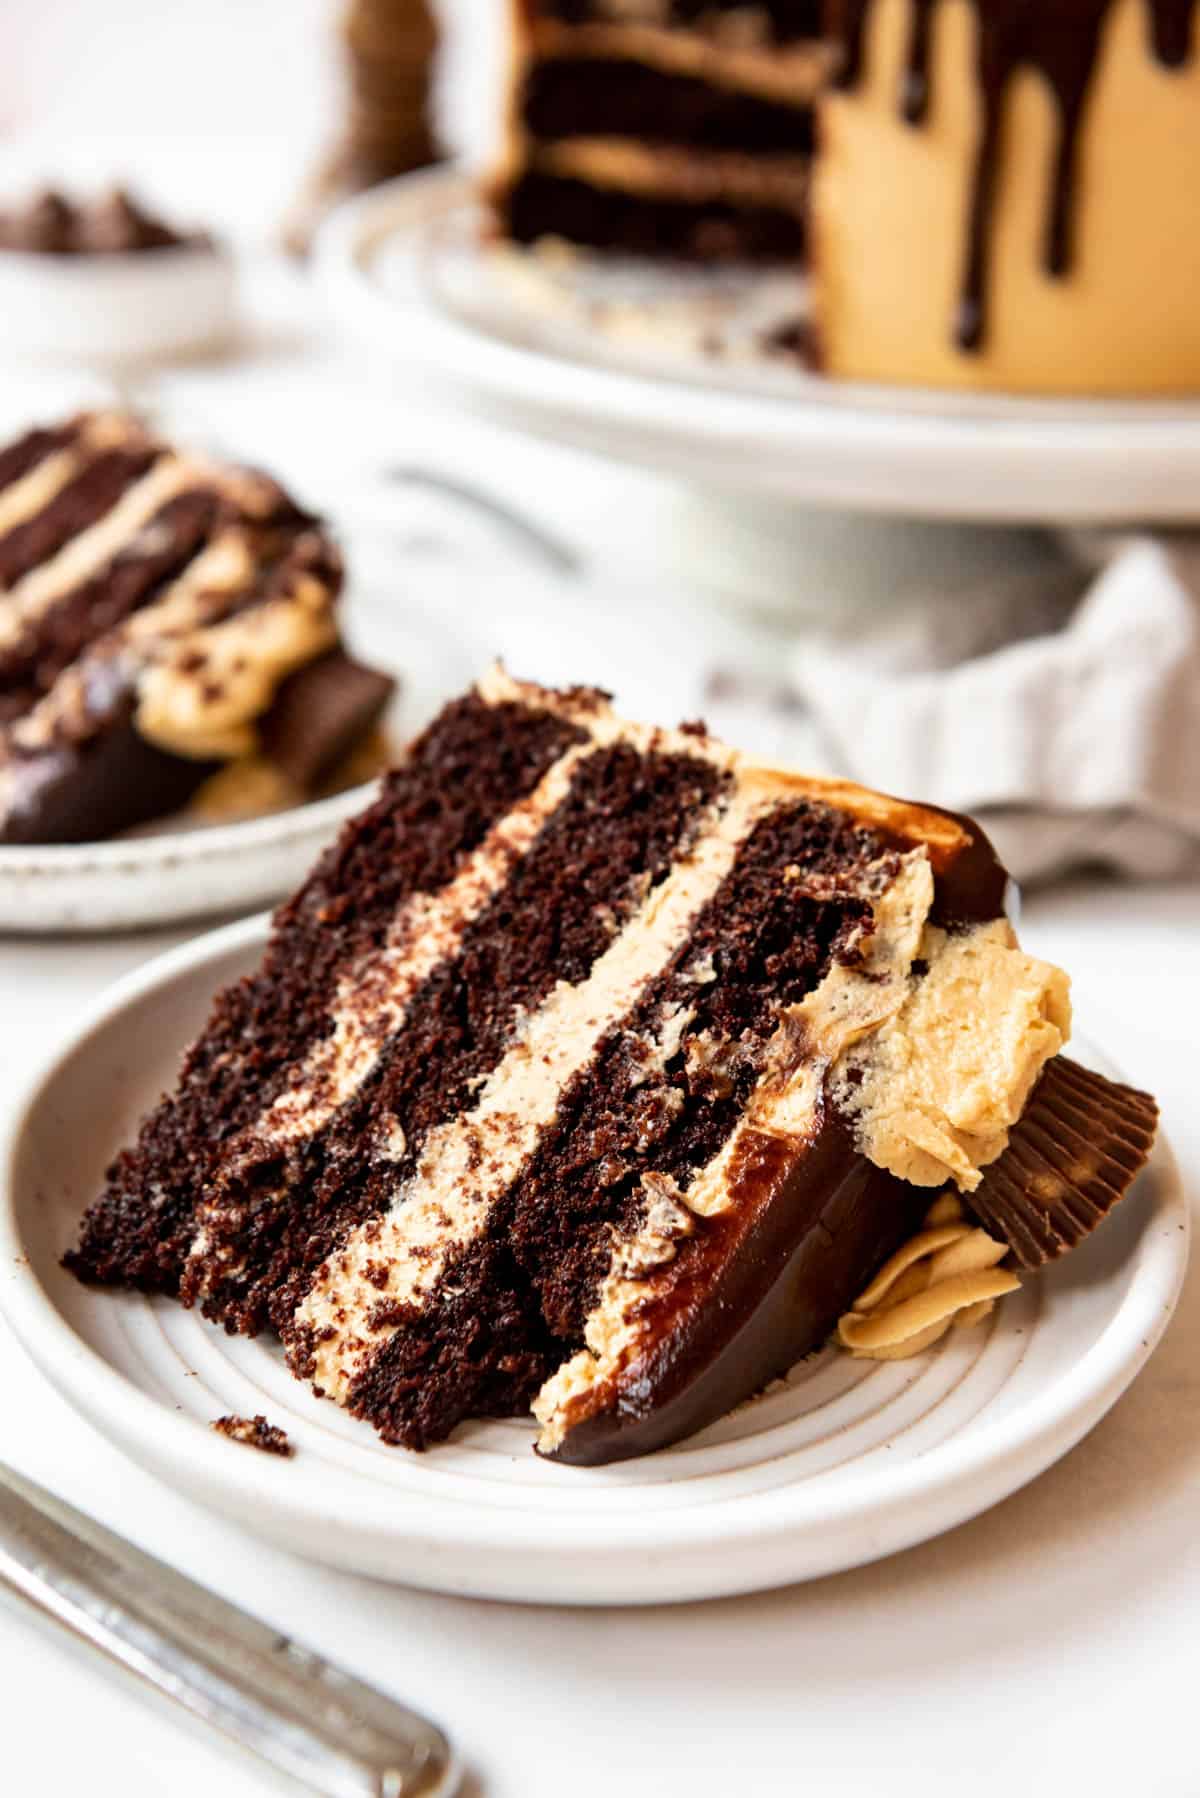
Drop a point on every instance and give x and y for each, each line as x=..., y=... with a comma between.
x=256, y=1432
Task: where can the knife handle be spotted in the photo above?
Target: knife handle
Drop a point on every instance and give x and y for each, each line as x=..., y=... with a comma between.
x=279, y=1701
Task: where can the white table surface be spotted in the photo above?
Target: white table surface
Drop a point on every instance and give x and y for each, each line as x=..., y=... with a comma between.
x=1050, y=1645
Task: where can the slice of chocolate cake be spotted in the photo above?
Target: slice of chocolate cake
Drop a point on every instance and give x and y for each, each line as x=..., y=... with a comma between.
x=156, y=613
x=598, y=1068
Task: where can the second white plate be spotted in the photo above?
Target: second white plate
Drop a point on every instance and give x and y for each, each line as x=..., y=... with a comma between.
x=841, y=1463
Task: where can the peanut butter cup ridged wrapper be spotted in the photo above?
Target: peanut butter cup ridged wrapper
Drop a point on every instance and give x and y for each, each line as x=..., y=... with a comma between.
x=1078, y=1148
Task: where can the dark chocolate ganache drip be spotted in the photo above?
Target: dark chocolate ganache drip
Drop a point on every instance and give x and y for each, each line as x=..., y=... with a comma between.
x=1062, y=42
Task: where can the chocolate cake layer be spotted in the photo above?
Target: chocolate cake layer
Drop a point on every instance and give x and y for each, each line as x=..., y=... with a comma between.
x=22, y=456
x=659, y=1099
x=84, y=500
x=543, y=205
x=603, y=848
x=596, y=96
x=473, y=764
x=148, y=591
x=597, y=1067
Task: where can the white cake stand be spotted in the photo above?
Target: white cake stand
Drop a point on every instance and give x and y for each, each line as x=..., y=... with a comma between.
x=619, y=362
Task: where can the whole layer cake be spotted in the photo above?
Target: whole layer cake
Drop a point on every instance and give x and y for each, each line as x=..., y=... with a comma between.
x=597, y=1069
x=162, y=617
x=990, y=193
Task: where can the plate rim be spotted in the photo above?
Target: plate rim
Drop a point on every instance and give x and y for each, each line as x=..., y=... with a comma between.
x=35, y=861
x=948, y=1483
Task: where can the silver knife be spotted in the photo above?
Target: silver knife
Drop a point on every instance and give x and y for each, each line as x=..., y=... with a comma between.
x=318, y=1727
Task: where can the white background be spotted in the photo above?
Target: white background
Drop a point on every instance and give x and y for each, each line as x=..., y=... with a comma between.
x=1049, y=1647
x=248, y=90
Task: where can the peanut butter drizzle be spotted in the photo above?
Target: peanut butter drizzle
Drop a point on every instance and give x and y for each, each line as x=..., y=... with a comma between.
x=946, y=1277
x=1061, y=41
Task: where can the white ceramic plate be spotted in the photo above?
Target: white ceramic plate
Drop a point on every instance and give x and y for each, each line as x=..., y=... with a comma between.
x=167, y=875
x=842, y=1463
x=176, y=870
x=405, y=271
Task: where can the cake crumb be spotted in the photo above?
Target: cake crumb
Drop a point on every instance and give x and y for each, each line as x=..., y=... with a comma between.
x=256, y=1432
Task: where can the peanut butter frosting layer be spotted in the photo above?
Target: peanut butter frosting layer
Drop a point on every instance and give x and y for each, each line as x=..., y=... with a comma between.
x=36, y=469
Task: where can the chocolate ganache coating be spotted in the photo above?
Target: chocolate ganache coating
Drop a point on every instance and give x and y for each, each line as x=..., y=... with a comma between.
x=764, y=1282
x=1058, y=38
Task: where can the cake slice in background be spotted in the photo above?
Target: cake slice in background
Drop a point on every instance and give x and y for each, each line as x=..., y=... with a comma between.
x=162, y=618
x=112, y=224
x=667, y=130
x=598, y=1069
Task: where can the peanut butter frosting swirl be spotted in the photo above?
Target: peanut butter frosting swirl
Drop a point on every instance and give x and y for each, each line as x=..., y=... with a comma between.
x=936, y=1089
x=946, y=1277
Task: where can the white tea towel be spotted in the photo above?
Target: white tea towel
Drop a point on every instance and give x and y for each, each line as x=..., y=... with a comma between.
x=1077, y=745
x=1058, y=703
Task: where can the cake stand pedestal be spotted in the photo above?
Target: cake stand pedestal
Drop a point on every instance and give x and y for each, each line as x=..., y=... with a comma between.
x=813, y=567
